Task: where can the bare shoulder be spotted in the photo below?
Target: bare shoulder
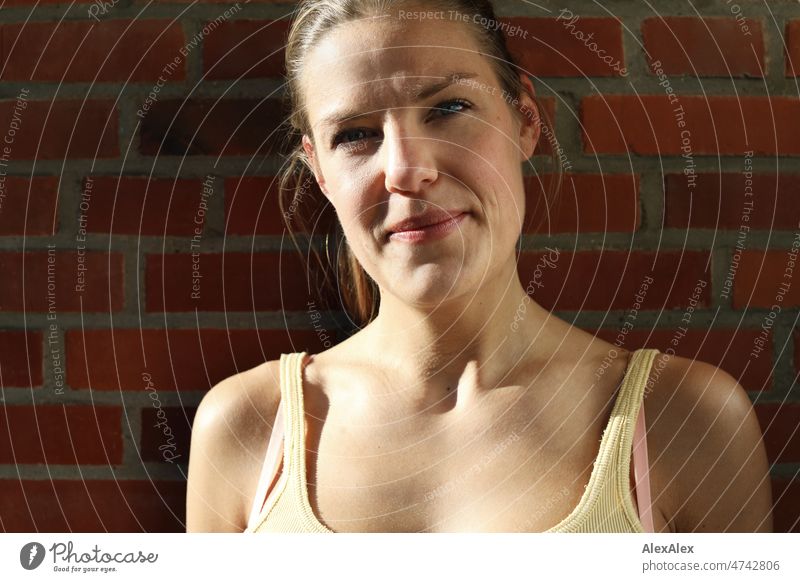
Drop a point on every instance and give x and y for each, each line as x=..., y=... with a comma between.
x=229, y=439
x=709, y=469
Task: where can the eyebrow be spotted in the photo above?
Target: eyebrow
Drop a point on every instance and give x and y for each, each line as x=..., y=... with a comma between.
x=450, y=78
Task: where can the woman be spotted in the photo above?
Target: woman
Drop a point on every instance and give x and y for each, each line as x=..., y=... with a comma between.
x=448, y=411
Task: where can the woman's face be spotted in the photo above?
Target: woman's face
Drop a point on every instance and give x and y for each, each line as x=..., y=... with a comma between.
x=383, y=153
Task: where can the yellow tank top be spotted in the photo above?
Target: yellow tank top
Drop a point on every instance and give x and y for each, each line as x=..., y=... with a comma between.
x=606, y=504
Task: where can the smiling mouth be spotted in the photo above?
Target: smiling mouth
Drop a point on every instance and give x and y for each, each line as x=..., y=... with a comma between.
x=429, y=233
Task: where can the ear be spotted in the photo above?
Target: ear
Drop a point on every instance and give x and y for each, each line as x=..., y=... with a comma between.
x=531, y=125
x=308, y=147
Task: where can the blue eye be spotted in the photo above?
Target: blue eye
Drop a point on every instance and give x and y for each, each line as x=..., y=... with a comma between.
x=457, y=102
x=442, y=108
x=340, y=137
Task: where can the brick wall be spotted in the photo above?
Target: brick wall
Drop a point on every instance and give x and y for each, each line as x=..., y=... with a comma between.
x=136, y=141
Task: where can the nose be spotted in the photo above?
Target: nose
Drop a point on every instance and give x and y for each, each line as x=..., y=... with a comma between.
x=409, y=163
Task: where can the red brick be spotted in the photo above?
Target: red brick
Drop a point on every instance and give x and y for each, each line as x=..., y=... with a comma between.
x=585, y=203
x=780, y=424
x=145, y=206
x=20, y=358
x=589, y=281
x=177, y=359
x=166, y=439
x=786, y=508
x=211, y=127
x=761, y=273
x=89, y=506
x=104, y=51
x=718, y=201
x=251, y=206
x=553, y=47
x=719, y=125
x=793, y=48
x=28, y=205
x=245, y=49
x=725, y=348
x=61, y=435
x=103, y=276
x=260, y=282
x=705, y=47
x=62, y=129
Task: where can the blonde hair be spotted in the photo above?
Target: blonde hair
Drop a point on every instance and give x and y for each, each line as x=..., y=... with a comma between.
x=298, y=190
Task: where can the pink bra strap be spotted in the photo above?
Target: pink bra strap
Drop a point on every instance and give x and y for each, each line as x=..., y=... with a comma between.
x=270, y=467
x=641, y=469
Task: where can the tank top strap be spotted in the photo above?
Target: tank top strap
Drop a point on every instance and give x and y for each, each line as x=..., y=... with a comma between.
x=599, y=509
x=302, y=516
x=294, y=417
x=631, y=400
x=618, y=434
x=632, y=391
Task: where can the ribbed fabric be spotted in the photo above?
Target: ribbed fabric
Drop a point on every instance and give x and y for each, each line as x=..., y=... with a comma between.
x=606, y=504
x=287, y=508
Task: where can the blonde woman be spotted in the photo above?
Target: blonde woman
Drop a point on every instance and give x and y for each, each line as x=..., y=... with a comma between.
x=448, y=411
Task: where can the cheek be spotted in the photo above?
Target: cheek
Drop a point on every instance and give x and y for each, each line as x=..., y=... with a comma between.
x=349, y=195
x=359, y=219
x=497, y=178
x=351, y=218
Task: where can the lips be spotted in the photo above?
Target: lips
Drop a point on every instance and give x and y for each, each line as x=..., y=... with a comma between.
x=429, y=218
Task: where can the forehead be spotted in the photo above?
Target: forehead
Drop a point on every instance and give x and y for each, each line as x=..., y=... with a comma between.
x=381, y=60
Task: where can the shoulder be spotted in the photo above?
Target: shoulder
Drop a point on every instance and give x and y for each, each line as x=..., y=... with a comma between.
x=707, y=455
x=239, y=402
x=230, y=434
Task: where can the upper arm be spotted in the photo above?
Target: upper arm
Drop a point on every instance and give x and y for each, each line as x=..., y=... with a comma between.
x=717, y=460
x=229, y=436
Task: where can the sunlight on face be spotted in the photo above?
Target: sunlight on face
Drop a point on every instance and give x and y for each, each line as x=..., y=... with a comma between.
x=396, y=135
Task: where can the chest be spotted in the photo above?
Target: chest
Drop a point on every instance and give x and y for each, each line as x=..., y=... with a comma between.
x=497, y=471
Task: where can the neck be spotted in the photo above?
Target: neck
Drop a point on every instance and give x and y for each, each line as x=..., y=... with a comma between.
x=467, y=344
